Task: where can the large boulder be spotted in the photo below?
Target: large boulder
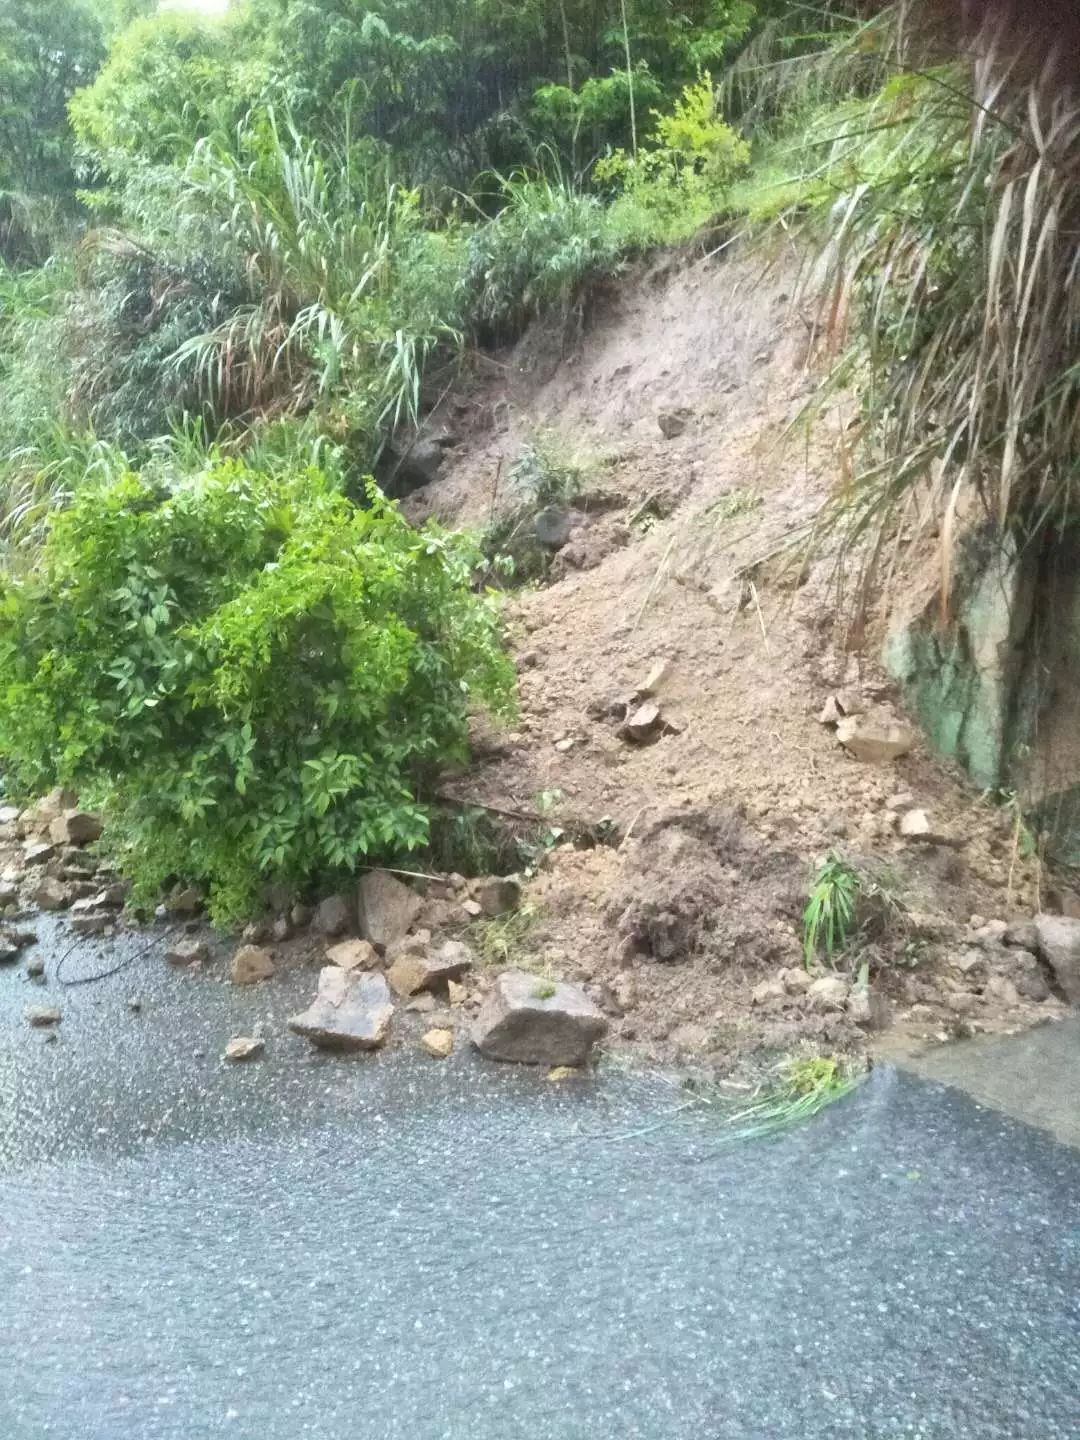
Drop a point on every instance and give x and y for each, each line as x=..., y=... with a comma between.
x=1058, y=939
x=537, y=1022
x=388, y=909
x=352, y=1011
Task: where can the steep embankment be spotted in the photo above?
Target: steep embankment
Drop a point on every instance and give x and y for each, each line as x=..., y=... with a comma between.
x=679, y=398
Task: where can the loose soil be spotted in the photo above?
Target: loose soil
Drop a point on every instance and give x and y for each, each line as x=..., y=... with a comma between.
x=676, y=555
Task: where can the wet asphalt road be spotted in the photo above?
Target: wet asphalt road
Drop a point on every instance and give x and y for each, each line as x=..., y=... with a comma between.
x=312, y=1247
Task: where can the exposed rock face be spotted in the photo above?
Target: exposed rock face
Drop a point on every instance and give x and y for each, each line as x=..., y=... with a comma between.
x=536, y=1022
x=413, y=972
x=352, y=1011
x=251, y=964
x=1058, y=939
x=388, y=909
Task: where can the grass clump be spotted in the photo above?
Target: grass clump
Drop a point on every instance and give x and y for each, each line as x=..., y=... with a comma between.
x=793, y=1091
x=257, y=678
x=829, y=919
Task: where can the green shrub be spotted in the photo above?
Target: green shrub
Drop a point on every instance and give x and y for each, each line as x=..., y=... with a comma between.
x=256, y=678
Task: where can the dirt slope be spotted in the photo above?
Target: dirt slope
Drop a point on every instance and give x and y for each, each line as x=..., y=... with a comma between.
x=722, y=817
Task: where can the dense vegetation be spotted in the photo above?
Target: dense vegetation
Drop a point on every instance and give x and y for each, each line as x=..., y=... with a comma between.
x=241, y=257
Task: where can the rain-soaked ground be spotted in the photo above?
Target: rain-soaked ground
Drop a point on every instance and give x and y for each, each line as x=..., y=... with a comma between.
x=393, y=1247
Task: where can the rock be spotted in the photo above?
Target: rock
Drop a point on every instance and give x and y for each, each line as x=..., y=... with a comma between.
x=9, y=814
x=1021, y=934
x=184, y=900
x=643, y=722
x=960, y=1002
x=424, y=1004
x=52, y=895
x=552, y=527
x=41, y=1016
x=498, y=896
x=115, y=895
x=35, y=967
x=255, y=932
x=1002, y=989
x=281, y=930
x=244, y=1047
x=914, y=824
x=76, y=827
x=455, y=993
x=655, y=680
x=352, y=1011
x=797, y=981
x=558, y=1073
x=839, y=705
x=990, y=935
x=768, y=991
x=9, y=895
x=1058, y=942
x=412, y=972
x=38, y=852
x=473, y=909
x=874, y=738
x=673, y=422
x=188, y=952
x=439, y=1044
x=388, y=909
x=333, y=916
x=250, y=964
x=352, y=955
x=567, y=743
x=537, y=1022
x=13, y=942
x=91, y=924
x=1029, y=979
x=829, y=993
x=868, y=1008
x=300, y=915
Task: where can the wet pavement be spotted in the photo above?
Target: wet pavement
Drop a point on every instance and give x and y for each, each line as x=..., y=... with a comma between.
x=389, y=1246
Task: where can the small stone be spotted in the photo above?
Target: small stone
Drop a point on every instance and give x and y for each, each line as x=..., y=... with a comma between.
x=352, y=955
x=567, y=743
x=903, y=800
x=875, y=739
x=990, y=935
x=423, y=1004
x=472, y=908
x=656, y=678
x=352, y=1011
x=52, y=895
x=1058, y=941
x=673, y=423
x=188, y=952
x=333, y=916
x=134, y=1004
x=831, y=714
x=829, y=993
x=35, y=967
x=914, y=824
x=438, y=1043
x=255, y=932
x=281, y=930
x=768, y=991
x=559, y=1073
x=388, y=909
x=967, y=961
x=642, y=722
x=300, y=915
x=41, y=1016
x=797, y=981
x=251, y=964
x=498, y=896
x=537, y=1022
x=455, y=992
x=412, y=972
x=244, y=1047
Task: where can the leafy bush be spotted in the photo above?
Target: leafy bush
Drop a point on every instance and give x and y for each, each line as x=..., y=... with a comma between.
x=256, y=678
